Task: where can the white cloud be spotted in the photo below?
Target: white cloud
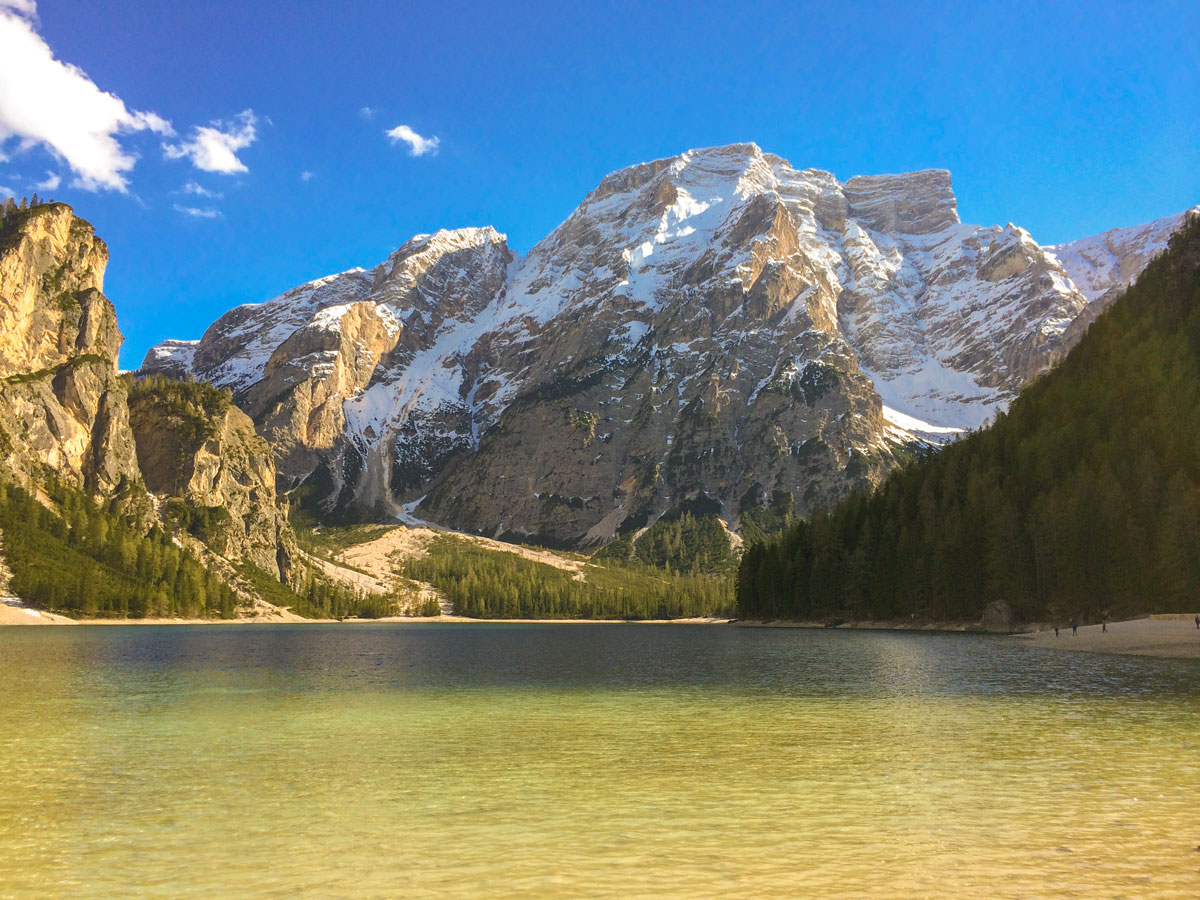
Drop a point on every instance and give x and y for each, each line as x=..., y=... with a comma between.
x=206, y=212
x=27, y=8
x=198, y=190
x=367, y=112
x=52, y=180
x=6, y=192
x=55, y=104
x=214, y=147
x=306, y=176
x=417, y=145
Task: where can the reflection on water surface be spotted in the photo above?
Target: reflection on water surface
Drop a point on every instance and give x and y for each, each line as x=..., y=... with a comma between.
x=590, y=760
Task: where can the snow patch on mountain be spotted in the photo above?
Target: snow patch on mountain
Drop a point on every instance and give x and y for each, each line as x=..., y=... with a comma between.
x=678, y=290
x=1112, y=259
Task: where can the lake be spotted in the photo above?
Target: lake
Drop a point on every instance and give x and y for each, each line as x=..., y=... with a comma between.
x=568, y=760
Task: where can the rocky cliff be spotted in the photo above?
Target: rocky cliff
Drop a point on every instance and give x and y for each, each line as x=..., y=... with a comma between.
x=62, y=404
x=200, y=455
x=715, y=332
x=66, y=413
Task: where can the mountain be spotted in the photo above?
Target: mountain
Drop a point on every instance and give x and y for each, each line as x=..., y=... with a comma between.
x=1082, y=501
x=1103, y=265
x=714, y=333
x=62, y=403
x=126, y=474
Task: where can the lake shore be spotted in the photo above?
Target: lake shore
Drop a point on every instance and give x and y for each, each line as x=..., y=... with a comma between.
x=15, y=613
x=864, y=625
x=1172, y=636
x=1169, y=635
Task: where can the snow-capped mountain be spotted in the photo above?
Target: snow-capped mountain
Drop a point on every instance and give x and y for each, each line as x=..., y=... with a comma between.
x=716, y=331
x=1103, y=265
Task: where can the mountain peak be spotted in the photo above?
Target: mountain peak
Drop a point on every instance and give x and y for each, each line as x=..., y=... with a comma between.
x=448, y=239
x=909, y=203
x=704, y=332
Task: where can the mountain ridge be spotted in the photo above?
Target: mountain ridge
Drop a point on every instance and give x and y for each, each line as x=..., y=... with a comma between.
x=652, y=353
x=1080, y=503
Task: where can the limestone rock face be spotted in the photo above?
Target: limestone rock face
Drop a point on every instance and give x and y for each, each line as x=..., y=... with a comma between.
x=65, y=413
x=293, y=362
x=710, y=332
x=195, y=447
x=62, y=404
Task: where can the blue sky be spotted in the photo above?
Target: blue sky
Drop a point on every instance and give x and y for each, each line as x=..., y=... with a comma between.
x=1064, y=118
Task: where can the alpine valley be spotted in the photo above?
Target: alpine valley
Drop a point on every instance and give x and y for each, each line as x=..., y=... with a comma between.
x=708, y=348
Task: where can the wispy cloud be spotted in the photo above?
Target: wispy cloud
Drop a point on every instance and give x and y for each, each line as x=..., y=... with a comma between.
x=367, y=112
x=306, y=175
x=27, y=8
x=417, y=145
x=50, y=182
x=47, y=102
x=198, y=190
x=197, y=212
x=214, y=147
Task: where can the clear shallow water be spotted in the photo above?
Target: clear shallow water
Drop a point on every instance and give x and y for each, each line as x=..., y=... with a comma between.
x=589, y=760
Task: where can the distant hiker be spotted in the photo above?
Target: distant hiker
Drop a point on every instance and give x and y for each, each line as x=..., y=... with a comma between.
x=1074, y=629
x=1198, y=621
x=1104, y=626
x=1056, y=631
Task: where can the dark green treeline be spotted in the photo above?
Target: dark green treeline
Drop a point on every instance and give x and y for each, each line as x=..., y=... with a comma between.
x=1082, y=501
x=485, y=583
x=92, y=560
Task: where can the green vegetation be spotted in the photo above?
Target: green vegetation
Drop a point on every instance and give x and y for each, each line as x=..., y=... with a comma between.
x=13, y=215
x=205, y=523
x=682, y=543
x=317, y=597
x=192, y=406
x=486, y=583
x=761, y=522
x=82, y=559
x=429, y=607
x=1082, y=501
x=95, y=561
x=327, y=540
x=72, y=363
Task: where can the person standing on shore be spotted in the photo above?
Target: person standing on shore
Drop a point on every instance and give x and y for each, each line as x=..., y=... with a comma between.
x=1198, y=621
x=1056, y=630
x=1074, y=628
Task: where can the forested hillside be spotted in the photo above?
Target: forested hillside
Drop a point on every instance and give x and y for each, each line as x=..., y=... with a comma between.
x=487, y=583
x=1082, y=501
x=93, y=560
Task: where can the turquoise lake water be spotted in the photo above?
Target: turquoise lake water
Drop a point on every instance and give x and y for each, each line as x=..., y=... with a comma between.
x=571, y=760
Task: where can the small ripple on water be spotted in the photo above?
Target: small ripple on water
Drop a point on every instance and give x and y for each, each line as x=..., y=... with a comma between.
x=590, y=761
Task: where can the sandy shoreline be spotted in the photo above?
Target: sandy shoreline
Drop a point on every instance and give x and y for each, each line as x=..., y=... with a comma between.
x=1173, y=636
x=14, y=612
x=21, y=615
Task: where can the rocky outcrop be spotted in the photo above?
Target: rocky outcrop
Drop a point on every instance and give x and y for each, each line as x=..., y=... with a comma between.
x=212, y=472
x=62, y=403
x=711, y=332
x=66, y=414
x=292, y=362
